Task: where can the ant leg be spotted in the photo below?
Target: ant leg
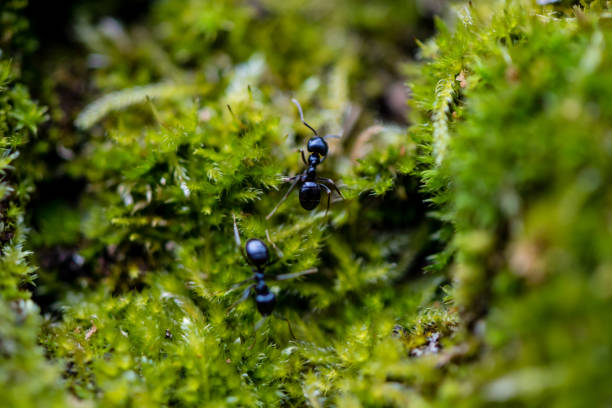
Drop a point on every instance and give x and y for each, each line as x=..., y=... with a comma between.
x=236, y=233
x=286, y=276
x=245, y=296
x=238, y=242
x=239, y=284
x=280, y=316
x=302, y=116
x=278, y=251
x=329, y=193
x=260, y=323
x=234, y=287
x=297, y=178
x=331, y=182
x=303, y=157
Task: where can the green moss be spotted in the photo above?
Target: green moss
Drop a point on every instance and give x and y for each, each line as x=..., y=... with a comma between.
x=522, y=178
x=27, y=378
x=468, y=265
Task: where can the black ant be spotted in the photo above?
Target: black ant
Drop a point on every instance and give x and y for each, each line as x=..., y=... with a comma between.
x=311, y=185
x=256, y=254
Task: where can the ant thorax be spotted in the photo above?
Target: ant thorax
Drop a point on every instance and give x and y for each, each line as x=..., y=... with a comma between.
x=314, y=159
x=261, y=287
x=311, y=173
x=258, y=275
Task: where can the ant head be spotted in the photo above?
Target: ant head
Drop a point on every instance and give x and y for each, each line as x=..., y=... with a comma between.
x=318, y=145
x=257, y=252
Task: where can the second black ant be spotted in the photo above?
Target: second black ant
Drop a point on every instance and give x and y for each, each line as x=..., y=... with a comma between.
x=311, y=185
x=256, y=254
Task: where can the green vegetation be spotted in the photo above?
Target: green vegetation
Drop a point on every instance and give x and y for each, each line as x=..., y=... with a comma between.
x=26, y=376
x=470, y=264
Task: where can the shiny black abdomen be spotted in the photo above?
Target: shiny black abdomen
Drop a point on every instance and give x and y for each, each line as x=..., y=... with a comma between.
x=310, y=195
x=265, y=303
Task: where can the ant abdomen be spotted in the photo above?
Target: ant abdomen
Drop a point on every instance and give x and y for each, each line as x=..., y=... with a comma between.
x=265, y=303
x=264, y=299
x=310, y=195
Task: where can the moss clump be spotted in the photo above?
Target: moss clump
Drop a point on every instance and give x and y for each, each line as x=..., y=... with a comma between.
x=468, y=266
x=27, y=378
x=519, y=164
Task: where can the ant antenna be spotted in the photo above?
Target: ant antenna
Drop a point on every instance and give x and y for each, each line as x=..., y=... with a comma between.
x=278, y=251
x=302, y=116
